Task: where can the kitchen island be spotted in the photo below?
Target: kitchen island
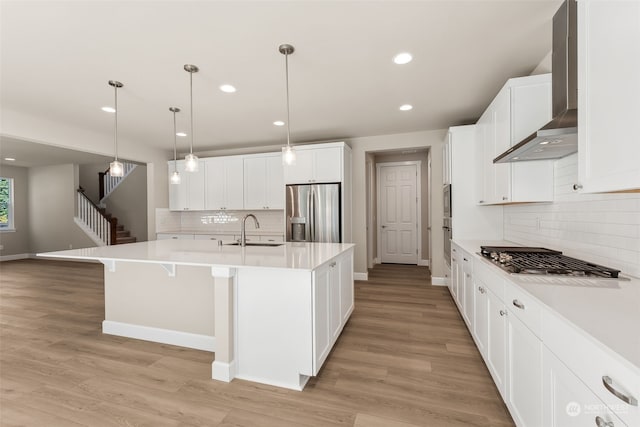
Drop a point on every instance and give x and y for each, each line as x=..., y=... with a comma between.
x=271, y=314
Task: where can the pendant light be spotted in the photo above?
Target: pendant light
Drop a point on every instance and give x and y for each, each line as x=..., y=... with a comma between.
x=288, y=153
x=175, y=176
x=191, y=160
x=116, y=168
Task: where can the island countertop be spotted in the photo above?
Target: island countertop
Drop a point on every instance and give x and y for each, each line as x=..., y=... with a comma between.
x=289, y=255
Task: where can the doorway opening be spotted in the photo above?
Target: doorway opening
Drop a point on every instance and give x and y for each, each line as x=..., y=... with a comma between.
x=398, y=207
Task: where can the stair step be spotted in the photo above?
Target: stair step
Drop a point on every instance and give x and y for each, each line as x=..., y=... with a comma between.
x=122, y=233
x=119, y=227
x=123, y=240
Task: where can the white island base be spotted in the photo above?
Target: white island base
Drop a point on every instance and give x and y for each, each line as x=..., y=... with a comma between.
x=273, y=324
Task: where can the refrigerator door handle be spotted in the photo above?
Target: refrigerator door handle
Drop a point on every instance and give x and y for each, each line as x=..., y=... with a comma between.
x=312, y=213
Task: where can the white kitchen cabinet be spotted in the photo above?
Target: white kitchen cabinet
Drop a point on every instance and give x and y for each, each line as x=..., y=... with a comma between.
x=455, y=267
x=524, y=373
x=608, y=101
x=496, y=358
x=567, y=401
x=224, y=183
x=521, y=107
x=189, y=194
x=446, y=161
x=333, y=304
x=315, y=165
x=214, y=237
x=263, y=182
x=468, y=294
x=278, y=238
x=480, y=316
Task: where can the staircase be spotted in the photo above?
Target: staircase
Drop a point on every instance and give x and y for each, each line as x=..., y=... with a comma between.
x=100, y=226
x=122, y=236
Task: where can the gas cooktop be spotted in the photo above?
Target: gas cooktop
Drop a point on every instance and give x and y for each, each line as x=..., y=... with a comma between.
x=543, y=261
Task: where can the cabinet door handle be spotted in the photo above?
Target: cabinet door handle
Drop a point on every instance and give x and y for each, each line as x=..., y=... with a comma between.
x=468, y=275
x=481, y=289
x=453, y=250
x=333, y=264
x=465, y=259
x=577, y=187
x=518, y=304
x=453, y=259
x=600, y=422
x=480, y=201
x=608, y=384
x=503, y=313
x=505, y=198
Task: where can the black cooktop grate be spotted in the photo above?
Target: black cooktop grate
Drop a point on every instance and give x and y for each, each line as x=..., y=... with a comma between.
x=546, y=261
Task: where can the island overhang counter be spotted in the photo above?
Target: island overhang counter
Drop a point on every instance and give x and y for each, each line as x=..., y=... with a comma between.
x=270, y=314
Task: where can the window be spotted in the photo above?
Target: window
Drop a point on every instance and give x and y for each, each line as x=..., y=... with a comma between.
x=6, y=203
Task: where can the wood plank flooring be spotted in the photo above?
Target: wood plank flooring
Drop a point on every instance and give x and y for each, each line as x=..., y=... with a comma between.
x=405, y=359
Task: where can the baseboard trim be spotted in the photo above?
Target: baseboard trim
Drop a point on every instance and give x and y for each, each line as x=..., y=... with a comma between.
x=223, y=371
x=14, y=257
x=360, y=276
x=376, y=260
x=423, y=262
x=439, y=281
x=164, y=336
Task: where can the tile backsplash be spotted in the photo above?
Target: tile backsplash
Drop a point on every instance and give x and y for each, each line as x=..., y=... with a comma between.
x=216, y=221
x=600, y=228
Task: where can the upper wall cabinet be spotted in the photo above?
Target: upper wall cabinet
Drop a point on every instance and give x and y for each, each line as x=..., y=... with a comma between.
x=224, y=183
x=189, y=194
x=315, y=165
x=263, y=182
x=608, y=95
x=521, y=107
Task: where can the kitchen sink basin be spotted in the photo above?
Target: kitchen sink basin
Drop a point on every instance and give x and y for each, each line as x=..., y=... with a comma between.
x=271, y=244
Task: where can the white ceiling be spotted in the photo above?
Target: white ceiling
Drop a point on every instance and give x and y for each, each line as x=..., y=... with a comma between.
x=58, y=56
x=29, y=154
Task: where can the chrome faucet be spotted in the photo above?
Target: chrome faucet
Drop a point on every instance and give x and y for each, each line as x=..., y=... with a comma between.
x=243, y=235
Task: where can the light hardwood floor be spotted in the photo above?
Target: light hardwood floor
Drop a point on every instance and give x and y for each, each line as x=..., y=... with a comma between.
x=404, y=359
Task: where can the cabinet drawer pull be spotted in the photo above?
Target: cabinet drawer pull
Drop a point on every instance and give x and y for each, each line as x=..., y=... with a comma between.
x=453, y=250
x=480, y=201
x=333, y=264
x=503, y=313
x=465, y=259
x=577, y=187
x=608, y=384
x=468, y=275
x=518, y=304
x=505, y=198
x=600, y=422
x=481, y=289
x=453, y=259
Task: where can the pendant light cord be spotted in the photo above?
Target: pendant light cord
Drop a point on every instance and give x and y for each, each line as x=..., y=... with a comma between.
x=115, y=134
x=191, y=108
x=286, y=73
x=175, y=152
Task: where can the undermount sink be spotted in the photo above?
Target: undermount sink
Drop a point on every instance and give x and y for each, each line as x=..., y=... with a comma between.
x=273, y=244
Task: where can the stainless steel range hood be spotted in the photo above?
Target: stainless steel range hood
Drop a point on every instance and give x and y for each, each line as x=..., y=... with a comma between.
x=559, y=137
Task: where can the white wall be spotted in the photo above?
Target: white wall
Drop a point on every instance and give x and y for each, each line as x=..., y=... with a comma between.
x=37, y=129
x=600, y=228
x=52, y=200
x=17, y=242
x=360, y=146
x=128, y=203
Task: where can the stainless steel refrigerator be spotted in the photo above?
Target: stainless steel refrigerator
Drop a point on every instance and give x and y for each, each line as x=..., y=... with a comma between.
x=313, y=213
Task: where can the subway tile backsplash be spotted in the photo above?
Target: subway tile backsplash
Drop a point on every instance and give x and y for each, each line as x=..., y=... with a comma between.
x=600, y=228
x=217, y=221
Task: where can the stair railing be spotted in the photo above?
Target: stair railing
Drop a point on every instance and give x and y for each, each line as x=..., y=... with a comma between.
x=92, y=217
x=108, y=183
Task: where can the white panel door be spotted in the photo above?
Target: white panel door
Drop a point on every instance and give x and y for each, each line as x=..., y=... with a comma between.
x=398, y=214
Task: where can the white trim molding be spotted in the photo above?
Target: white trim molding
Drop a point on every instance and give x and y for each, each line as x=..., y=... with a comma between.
x=223, y=371
x=14, y=257
x=439, y=281
x=360, y=276
x=164, y=336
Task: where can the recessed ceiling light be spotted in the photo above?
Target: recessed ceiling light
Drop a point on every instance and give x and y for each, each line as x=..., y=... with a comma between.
x=406, y=107
x=10, y=159
x=544, y=142
x=278, y=123
x=181, y=134
x=227, y=88
x=108, y=109
x=402, y=58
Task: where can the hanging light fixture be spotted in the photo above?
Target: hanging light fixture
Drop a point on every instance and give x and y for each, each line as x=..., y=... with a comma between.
x=175, y=176
x=288, y=153
x=115, y=167
x=191, y=160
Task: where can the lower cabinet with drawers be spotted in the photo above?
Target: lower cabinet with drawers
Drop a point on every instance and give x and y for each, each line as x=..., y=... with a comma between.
x=546, y=370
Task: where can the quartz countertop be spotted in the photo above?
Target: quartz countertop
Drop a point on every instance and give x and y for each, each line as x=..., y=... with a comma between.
x=252, y=232
x=604, y=310
x=289, y=255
